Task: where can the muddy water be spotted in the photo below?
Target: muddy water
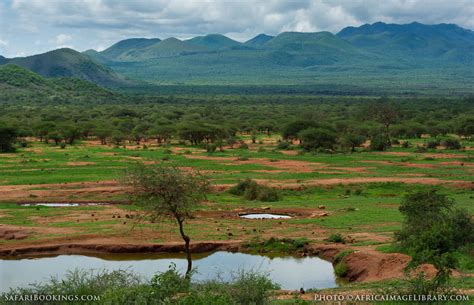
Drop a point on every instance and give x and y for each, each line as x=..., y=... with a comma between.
x=289, y=272
x=264, y=216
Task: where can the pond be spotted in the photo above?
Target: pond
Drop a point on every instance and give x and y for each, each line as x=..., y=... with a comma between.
x=264, y=216
x=62, y=204
x=290, y=272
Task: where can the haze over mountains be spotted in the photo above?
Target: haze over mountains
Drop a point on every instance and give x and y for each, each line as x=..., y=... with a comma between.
x=414, y=55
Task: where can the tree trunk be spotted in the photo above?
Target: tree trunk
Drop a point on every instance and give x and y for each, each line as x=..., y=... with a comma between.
x=186, y=249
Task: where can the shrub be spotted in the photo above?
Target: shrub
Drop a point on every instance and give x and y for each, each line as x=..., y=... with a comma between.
x=432, y=144
x=211, y=148
x=420, y=149
x=378, y=142
x=317, y=138
x=62, y=145
x=340, y=256
x=252, y=191
x=243, y=146
x=241, y=186
x=336, y=238
x=406, y=144
x=451, y=143
x=283, y=145
x=268, y=194
x=340, y=269
x=434, y=229
x=251, y=288
x=169, y=283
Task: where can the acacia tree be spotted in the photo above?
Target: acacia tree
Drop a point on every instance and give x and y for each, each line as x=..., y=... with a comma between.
x=387, y=113
x=168, y=192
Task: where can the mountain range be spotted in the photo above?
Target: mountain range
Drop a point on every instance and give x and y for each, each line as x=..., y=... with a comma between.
x=410, y=57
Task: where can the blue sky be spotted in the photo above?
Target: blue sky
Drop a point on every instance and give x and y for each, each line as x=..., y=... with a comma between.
x=34, y=26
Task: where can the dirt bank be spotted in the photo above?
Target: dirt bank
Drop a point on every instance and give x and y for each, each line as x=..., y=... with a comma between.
x=363, y=266
x=369, y=265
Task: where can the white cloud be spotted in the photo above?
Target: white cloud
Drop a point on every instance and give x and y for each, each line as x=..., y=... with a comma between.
x=102, y=22
x=3, y=43
x=61, y=39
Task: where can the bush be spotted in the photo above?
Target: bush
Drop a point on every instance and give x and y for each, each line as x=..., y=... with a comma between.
x=432, y=144
x=317, y=138
x=276, y=245
x=169, y=287
x=406, y=144
x=241, y=186
x=340, y=269
x=251, y=288
x=268, y=194
x=451, y=143
x=252, y=191
x=434, y=229
x=283, y=145
x=420, y=149
x=243, y=146
x=169, y=283
x=336, y=238
x=62, y=145
x=7, y=138
x=211, y=148
x=340, y=256
x=378, y=142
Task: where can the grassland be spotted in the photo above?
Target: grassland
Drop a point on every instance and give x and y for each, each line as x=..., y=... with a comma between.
x=354, y=194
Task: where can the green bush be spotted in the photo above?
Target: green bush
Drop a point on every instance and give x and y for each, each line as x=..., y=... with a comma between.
x=241, y=186
x=251, y=288
x=253, y=191
x=340, y=269
x=340, y=256
x=283, y=145
x=451, y=143
x=336, y=238
x=268, y=194
x=276, y=245
x=433, y=228
x=378, y=142
x=243, y=146
x=432, y=144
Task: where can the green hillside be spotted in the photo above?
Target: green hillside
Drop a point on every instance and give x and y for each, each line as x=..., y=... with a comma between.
x=18, y=84
x=258, y=40
x=70, y=63
x=374, y=58
x=214, y=41
x=383, y=58
x=121, y=48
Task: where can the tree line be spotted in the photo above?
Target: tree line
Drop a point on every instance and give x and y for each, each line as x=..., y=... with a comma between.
x=314, y=123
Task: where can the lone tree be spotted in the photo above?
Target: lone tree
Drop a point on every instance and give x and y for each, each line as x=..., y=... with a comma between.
x=168, y=192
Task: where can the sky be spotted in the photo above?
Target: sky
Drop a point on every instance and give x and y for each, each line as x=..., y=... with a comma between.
x=35, y=26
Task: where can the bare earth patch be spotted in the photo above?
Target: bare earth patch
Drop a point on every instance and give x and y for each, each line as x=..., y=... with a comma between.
x=80, y=163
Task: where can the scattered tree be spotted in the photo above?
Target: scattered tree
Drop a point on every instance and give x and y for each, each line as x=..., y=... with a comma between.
x=168, y=192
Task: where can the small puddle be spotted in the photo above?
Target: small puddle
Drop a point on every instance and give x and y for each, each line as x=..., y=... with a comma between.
x=264, y=216
x=290, y=272
x=69, y=204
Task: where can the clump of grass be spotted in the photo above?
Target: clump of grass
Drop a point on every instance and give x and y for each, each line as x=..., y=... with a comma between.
x=341, y=269
x=336, y=238
x=277, y=245
x=250, y=190
x=340, y=256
